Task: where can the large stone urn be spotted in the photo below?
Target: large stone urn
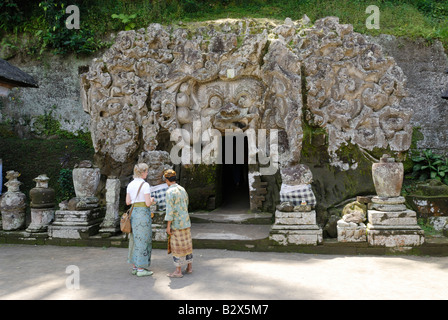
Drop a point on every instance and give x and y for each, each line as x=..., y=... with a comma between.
x=86, y=179
x=13, y=204
x=388, y=177
x=42, y=205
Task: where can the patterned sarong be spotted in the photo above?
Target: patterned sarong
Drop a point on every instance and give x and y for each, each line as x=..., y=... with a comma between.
x=140, y=240
x=181, y=246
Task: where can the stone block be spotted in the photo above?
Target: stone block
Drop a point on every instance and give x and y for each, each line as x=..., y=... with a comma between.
x=395, y=236
x=295, y=218
x=351, y=232
x=388, y=207
x=295, y=236
x=392, y=218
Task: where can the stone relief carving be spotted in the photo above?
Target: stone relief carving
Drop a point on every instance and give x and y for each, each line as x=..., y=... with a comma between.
x=353, y=90
x=161, y=78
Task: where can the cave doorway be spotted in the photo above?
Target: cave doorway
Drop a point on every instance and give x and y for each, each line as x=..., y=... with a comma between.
x=235, y=173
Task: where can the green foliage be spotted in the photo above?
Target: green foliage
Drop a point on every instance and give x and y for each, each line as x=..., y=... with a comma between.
x=32, y=157
x=45, y=20
x=46, y=124
x=66, y=188
x=427, y=227
x=58, y=37
x=430, y=166
x=126, y=20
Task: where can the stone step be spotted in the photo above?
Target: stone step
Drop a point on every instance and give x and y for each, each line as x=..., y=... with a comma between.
x=262, y=218
x=229, y=231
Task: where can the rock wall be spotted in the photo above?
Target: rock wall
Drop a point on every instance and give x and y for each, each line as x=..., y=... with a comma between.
x=58, y=95
x=426, y=68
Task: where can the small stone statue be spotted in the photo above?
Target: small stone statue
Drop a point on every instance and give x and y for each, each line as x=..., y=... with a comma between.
x=13, y=204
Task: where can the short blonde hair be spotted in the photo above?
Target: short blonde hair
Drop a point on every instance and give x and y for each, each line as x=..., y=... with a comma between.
x=140, y=169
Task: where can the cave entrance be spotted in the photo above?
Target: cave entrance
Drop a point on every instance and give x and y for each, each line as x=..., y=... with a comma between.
x=235, y=172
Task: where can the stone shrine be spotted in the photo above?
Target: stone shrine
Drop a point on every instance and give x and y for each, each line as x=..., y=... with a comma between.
x=295, y=219
x=390, y=223
x=82, y=215
x=42, y=205
x=13, y=204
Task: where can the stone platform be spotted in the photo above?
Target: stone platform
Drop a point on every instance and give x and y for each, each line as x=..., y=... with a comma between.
x=296, y=228
x=392, y=225
x=76, y=224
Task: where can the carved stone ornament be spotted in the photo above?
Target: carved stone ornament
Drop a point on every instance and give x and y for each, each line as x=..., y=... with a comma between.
x=154, y=80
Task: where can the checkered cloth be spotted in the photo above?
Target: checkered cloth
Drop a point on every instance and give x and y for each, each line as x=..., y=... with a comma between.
x=181, y=246
x=296, y=194
x=159, y=193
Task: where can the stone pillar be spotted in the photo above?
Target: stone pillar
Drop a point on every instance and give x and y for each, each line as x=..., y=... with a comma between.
x=81, y=216
x=390, y=223
x=42, y=205
x=13, y=204
x=111, y=223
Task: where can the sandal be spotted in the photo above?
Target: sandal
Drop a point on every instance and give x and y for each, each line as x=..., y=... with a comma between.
x=175, y=275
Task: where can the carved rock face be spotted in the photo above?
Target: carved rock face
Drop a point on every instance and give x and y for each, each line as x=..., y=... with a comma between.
x=158, y=79
x=231, y=104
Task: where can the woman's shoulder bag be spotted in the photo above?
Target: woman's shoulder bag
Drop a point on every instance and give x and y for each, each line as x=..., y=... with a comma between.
x=125, y=221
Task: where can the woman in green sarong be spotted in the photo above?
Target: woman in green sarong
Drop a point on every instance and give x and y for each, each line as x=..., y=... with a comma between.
x=140, y=240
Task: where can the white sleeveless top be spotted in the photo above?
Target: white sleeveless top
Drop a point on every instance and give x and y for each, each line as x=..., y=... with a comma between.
x=132, y=189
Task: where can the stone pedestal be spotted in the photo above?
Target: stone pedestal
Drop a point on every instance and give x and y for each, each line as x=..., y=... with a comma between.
x=111, y=223
x=76, y=224
x=40, y=219
x=296, y=228
x=393, y=225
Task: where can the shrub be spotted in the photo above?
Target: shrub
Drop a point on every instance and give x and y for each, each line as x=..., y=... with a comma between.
x=430, y=166
x=66, y=190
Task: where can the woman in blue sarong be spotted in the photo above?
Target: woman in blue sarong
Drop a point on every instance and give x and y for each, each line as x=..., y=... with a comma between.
x=140, y=239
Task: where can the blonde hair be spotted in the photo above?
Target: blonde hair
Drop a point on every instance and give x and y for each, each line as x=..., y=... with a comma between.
x=140, y=169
